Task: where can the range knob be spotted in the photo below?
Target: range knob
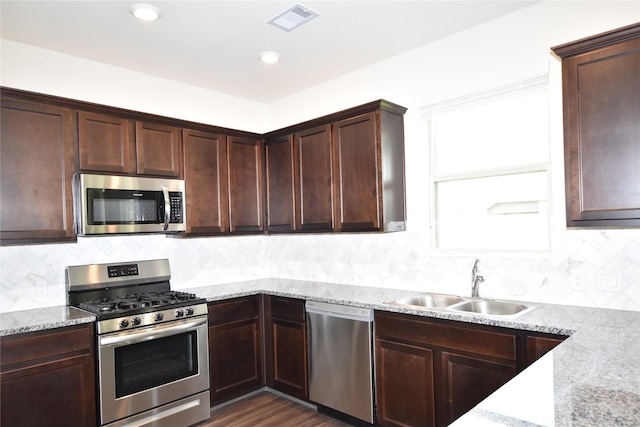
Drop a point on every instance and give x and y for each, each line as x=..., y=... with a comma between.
x=158, y=317
x=123, y=323
x=178, y=313
x=136, y=321
x=189, y=311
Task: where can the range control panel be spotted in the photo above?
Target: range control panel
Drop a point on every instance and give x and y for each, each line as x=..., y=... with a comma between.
x=122, y=270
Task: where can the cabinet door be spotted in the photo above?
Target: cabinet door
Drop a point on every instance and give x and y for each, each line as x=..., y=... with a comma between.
x=466, y=381
x=235, y=348
x=538, y=346
x=602, y=135
x=245, y=185
x=48, y=378
x=235, y=359
x=207, y=190
x=280, y=184
x=286, y=346
x=404, y=385
x=314, y=195
x=157, y=150
x=357, y=173
x=38, y=155
x=106, y=143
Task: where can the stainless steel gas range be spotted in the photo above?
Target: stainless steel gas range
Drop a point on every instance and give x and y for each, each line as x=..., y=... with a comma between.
x=152, y=344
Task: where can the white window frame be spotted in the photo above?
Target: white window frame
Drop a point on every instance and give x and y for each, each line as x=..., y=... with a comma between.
x=539, y=81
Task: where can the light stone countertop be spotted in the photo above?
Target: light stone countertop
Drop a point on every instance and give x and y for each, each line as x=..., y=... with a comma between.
x=18, y=322
x=591, y=379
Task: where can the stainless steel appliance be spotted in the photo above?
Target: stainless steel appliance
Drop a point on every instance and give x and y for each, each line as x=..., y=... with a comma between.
x=341, y=359
x=152, y=344
x=106, y=204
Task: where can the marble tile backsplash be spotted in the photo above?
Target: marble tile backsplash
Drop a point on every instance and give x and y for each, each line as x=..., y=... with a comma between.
x=33, y=276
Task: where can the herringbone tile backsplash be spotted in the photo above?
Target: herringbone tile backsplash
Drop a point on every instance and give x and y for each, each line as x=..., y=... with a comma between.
x=607, y=261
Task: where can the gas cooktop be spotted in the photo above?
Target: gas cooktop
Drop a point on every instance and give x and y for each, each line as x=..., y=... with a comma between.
x=112, y=306
x=130, y=295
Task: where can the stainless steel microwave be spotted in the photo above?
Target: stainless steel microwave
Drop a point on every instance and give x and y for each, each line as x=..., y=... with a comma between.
x=107, y=204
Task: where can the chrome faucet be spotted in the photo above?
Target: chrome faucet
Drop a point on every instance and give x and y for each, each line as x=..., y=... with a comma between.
x=476, y=279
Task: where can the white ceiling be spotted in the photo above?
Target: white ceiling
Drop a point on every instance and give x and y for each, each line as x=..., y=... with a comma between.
x=215, y=44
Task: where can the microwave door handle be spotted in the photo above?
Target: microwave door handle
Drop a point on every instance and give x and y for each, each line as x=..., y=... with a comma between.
x=167, y=206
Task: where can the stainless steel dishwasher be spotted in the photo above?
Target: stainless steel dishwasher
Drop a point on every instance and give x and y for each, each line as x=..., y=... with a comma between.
x=341, y=359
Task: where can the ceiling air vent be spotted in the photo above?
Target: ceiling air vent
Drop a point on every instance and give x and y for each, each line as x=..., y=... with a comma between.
x=293, y=17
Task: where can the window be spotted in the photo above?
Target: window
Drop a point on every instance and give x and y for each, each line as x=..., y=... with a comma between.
x=489, y=170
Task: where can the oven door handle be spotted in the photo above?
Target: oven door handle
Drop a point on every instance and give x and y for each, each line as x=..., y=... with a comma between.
x=159, y=331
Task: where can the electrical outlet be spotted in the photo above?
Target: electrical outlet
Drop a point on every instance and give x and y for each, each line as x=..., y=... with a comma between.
x=41, y=287
x=384, y=270
x=577, y=280
x=209, y=270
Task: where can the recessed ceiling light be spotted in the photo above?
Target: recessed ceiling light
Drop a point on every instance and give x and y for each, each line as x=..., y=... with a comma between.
x=145, y=12
x=270, y=57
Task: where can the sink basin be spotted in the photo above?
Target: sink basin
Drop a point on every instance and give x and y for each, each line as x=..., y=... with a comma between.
x=492, y=308
x=429, y=300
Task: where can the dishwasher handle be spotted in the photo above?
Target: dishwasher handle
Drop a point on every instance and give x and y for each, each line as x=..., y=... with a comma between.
x=360, y=314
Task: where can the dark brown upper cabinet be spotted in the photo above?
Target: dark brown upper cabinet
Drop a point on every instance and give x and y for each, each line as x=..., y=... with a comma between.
x=206, y=181
x=106, y=143
x=116, y=144
x=314, y=207
x=337, y=173
x=157, y=149
x=280, y=191
x=601, y=83
x=345, y=171
x=38, y=154
x=246, y=193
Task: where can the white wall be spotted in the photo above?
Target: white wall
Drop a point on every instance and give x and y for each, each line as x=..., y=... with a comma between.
x=44, y=71
x=482, y=56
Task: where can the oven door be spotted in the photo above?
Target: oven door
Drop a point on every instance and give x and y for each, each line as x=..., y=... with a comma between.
x=148, y=367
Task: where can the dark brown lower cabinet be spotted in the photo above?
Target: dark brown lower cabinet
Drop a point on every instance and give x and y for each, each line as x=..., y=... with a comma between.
x=540, y=344
x=467, y=380
x=235, y=347
x=286, y=346
x=48, y=378
x=429, y=372
x=405, y=389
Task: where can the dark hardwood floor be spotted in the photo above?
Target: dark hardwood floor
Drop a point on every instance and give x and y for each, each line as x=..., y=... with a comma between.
x=267, y=409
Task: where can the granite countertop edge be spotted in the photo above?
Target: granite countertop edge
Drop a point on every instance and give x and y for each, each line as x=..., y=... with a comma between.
x=41, y=319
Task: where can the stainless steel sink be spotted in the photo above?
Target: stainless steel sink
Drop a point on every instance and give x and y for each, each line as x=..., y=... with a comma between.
x=492, y=308
x=429, y=300
x=455, y=303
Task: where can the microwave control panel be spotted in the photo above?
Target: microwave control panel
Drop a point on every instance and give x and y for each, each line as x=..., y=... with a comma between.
x=175, y=200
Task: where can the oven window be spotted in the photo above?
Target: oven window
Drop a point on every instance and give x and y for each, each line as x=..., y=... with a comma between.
x=152, y=363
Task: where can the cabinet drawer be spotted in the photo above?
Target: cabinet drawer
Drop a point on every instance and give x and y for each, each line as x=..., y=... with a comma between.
x=46, y=344
x=466, y=337
x=288, y=309
x=234, y=309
